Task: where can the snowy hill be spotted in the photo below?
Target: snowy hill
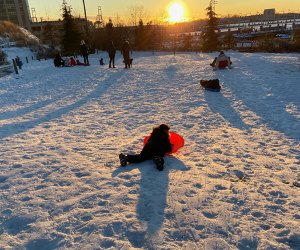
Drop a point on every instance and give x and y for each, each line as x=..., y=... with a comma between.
x=12, y=34
x=235, y=184
x=13, y=52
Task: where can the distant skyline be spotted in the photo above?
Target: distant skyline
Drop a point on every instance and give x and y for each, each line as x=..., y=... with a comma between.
x=156, y=8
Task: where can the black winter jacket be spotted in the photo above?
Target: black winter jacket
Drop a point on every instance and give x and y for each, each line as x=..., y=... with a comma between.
x=158, y=143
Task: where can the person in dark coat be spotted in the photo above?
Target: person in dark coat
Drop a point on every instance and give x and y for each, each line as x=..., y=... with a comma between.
x=112, y=53
x=126, y=48
x=58, y=61
x=19, y=62
x=84, y=52
x=156, y=147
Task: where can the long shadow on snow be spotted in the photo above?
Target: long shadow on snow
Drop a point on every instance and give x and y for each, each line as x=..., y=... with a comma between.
x=16, y=128
x=221, y=105
x=26, y=110
x=152, y=197
x=266, y=92
x=277, y=117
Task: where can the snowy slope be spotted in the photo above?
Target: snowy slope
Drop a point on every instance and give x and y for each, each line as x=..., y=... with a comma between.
x=235, y=184
x=13, y=52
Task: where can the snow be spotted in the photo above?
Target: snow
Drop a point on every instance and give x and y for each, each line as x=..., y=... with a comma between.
x=234, y=185
x=13, y=52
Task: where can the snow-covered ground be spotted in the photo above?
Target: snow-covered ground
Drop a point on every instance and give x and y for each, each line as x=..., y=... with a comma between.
x=235, y=184
x=13, y=52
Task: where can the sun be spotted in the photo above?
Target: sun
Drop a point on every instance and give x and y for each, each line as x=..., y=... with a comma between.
x=176, y=12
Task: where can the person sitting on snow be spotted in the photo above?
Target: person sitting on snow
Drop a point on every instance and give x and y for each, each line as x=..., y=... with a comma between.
x=222, y=61
x=156, y=147
x=67, y=62
x=73, y=62
x=58, y=61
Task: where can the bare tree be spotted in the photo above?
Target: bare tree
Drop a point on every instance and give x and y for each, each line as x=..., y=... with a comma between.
x=137, y=13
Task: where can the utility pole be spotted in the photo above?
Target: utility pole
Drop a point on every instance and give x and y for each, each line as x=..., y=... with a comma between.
x=213, y=5
x=99, y=19
x=86, y=21
x=33, y=15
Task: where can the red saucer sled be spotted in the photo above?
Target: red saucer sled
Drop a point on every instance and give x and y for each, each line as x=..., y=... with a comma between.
x=175, y=139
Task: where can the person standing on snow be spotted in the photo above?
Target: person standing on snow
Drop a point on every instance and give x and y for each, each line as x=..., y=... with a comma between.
x=84, y=52
x=126, y=48
x=112, y=53
x=156, y=147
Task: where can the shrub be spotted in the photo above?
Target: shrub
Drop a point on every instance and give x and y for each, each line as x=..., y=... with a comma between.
x=2, y=57
x=17, y=34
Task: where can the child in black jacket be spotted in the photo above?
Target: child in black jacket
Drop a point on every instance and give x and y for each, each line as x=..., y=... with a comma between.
x=155, y=148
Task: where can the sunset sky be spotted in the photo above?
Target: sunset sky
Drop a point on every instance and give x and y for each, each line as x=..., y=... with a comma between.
x=155, y=8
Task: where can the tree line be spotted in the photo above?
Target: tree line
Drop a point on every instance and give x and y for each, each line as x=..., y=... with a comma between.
x=147, y=36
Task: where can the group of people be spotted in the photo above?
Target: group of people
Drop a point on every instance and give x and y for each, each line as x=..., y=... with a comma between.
x=126, y=50
x=68, y=62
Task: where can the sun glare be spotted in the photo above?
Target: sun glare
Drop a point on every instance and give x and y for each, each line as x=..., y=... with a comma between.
x=176, y=13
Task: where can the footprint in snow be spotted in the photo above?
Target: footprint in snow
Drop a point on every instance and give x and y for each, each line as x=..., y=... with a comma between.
x=190, y=193
x=257, y=214
x=82, y=174
x=198, y=185
x=210, y=215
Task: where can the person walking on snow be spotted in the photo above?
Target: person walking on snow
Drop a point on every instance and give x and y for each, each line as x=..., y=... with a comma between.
x=112, y=53
x=156, y=147
x=84, y=52
x=126, y=48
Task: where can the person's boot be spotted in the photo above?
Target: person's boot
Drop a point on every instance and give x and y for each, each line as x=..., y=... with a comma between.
x=123, y=160
x=159, y=162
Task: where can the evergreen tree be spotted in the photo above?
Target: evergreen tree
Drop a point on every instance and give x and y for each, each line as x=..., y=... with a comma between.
x=3, y=57
x=209, y=35
x=48, y=34
x=71, y=36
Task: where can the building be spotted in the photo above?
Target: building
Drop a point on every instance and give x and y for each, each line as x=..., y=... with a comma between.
x=269, y=14
x=51, y=31
x=16, y=11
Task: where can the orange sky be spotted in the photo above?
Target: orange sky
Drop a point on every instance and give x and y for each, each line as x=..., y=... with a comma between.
x=155, y=8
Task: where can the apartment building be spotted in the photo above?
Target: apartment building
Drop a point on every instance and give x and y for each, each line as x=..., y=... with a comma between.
x=16, y=11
